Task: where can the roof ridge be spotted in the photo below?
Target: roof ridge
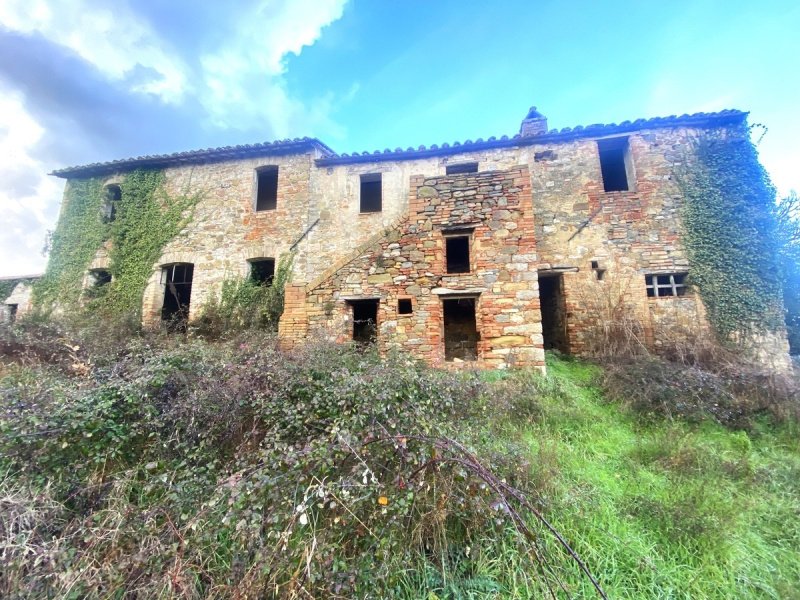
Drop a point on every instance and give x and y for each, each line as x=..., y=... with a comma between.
x=331, y=157
x=552, y=134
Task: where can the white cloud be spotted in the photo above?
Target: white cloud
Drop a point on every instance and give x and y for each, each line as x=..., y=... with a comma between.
x=114, y=40
x=246, y=73
x=240, y=84
x=29, y=209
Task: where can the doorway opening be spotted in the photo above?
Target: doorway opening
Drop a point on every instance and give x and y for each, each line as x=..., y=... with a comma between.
x=460, y=330
x=177, y=281
x=365, y=321
x=554, y=312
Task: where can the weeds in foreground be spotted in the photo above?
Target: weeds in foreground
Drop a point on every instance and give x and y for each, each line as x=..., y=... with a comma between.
x=166, y=468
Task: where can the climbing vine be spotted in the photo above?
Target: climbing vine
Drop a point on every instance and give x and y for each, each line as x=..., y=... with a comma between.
x=730, y=238
x=80, y=232
x=7, y=286
x=247, y=304
x=146, y=219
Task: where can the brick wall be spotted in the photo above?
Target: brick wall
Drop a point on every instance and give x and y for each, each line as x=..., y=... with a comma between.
x=409, y=262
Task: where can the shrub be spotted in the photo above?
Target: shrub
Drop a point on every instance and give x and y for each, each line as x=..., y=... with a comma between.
x=734, y=397
x=197, y=469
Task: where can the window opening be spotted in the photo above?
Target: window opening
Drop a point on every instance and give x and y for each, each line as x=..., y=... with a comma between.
x=460, y=330
x=598, y=272
x=113, y=194
x=12, y=312
x=614, y=163
x=665, y=284
x=471, y=167
x=100, y=277
x=262, y=270
x=554, y=312
x=365, y=321
x=544, y=155
x=267, y=188
x=177, y=281
x=404, y=306
x=371, y=193
x=457, y=253
x=98, y=282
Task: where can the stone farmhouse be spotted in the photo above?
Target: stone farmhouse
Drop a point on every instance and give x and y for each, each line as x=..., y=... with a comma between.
x=484, y=252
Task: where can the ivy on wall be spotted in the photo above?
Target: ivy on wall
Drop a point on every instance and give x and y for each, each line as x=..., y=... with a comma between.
x=730, y=238
x=7, y=286
x=247, y=304
x=78, y=235
x=146, y=219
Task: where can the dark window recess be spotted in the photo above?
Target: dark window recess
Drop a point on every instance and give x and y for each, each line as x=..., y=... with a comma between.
x=113, y=194
x=371, y=193
x=365, y=321
x=471, y=167
x=262, y=270
x=668, y=284
x=460, y=330
x=267, y=189
x=598, y=272
x=554, y=312
x=12, y=312
x=404, y=306
x=544, y=155
x=177, y=281
x=613, y=157
x=457, y=253
x=100, y=277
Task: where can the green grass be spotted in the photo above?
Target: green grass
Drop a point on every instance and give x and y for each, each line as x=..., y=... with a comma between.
x=177, y=468
x=666, y=509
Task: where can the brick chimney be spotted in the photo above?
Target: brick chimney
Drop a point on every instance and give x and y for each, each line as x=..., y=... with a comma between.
x=535, y=123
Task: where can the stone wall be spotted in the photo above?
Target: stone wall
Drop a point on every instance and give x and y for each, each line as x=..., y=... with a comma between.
x=408, y=262
x=573, y=221
x=226, y=231
x=18, y=303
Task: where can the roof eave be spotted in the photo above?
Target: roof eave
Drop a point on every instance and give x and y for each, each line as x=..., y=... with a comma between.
x=194, y=157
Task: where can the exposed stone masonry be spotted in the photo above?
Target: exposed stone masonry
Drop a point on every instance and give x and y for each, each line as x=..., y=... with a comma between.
x=408, y=262
x=536, y=208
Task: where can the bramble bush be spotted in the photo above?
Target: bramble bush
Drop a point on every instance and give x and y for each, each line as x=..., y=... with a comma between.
x=215, y=469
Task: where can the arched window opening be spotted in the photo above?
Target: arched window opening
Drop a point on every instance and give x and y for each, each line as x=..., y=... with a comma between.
x=177, y=281
x=113, y=194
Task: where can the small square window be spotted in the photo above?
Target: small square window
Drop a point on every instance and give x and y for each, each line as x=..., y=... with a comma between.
x=371, y=193
x=663, y=285
x=262, y=270
x=404, y=306
x=470, y=167
x=267, y=188
x=99, y=277
x=457, y=253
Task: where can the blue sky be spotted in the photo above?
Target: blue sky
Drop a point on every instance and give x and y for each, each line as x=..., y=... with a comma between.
x=81, y=81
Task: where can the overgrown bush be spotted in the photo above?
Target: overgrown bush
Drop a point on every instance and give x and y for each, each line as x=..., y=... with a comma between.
x=234, y=469
x=246, y=304
x=733, y=397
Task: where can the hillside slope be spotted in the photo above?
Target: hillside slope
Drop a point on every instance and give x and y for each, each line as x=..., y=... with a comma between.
x=189, y=468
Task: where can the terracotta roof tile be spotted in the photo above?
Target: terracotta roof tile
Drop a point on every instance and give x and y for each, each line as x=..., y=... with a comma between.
x=195, y=156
